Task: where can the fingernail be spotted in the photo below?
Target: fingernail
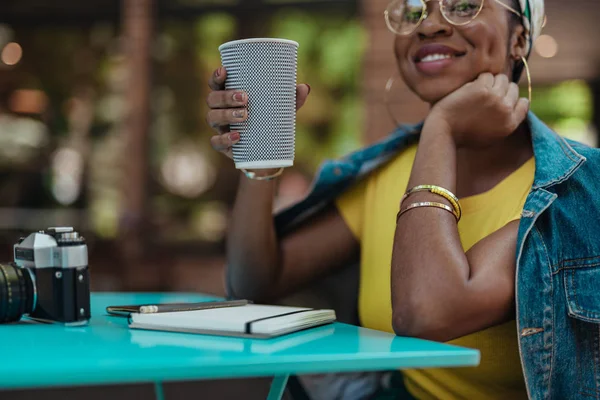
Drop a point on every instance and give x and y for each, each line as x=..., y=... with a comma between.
x=234, y=137
x=239, y=113
x=218, y=72
x=239, y=97
x=309, y=88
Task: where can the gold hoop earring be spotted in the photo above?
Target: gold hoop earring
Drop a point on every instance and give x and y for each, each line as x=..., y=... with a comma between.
x=528, y=77
x=386, y=99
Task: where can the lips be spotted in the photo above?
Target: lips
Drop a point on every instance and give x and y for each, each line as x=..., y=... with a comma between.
x=436, y=52
x=433, y=59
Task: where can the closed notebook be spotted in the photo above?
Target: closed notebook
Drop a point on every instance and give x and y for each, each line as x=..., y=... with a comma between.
x=252, y=320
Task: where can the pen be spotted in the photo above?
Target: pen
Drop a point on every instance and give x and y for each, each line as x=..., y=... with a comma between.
x=205, y=305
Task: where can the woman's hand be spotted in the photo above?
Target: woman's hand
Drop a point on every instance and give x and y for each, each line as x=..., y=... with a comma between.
x=481, y=111
x=229, y=107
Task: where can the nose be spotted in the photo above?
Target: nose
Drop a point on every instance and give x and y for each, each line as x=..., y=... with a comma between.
x=435, y=24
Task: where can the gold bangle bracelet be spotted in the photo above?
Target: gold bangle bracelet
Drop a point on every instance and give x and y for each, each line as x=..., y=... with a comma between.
x=426, y=204
x=440, y=191
x=252, y=175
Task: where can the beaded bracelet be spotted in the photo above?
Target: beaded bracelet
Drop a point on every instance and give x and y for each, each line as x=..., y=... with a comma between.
x=252, y=175
x=440, y=191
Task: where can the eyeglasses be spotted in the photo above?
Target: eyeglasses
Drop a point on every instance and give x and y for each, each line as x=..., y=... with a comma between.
x=403, y=17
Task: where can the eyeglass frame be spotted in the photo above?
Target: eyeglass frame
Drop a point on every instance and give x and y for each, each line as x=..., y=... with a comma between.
x=425, y=14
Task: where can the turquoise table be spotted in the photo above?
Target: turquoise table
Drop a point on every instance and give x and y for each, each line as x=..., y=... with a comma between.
x=108, y=352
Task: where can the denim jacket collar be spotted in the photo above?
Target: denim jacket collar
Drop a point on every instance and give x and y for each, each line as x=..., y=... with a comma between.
x=555, y=159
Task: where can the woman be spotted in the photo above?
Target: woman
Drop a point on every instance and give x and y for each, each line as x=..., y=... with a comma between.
x=511, y=268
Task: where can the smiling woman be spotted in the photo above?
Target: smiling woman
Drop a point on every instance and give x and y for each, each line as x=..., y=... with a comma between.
x=452, y=219
x=486, y=38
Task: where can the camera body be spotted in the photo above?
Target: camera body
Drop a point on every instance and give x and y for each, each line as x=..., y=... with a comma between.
x=55, y=260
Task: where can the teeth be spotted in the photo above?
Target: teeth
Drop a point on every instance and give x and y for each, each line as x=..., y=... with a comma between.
x=435, y=57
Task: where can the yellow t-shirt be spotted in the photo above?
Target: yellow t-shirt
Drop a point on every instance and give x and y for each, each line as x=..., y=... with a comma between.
x=369, y=210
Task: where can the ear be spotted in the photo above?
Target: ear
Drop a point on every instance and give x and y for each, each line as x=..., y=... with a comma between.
x=518, y=43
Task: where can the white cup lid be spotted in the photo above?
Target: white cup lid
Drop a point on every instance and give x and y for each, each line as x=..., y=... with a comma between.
x=258, y=40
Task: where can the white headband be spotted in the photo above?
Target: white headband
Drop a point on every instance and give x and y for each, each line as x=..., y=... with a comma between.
x=533, y=19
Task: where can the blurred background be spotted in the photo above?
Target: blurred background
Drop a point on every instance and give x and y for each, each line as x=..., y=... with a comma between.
x=102, y=107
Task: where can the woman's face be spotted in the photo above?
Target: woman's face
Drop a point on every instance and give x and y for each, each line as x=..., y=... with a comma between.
x=480, y=46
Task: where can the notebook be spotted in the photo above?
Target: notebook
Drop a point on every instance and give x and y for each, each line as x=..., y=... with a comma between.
x=252, y=320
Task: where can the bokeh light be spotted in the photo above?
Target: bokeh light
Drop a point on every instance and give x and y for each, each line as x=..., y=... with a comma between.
x=11, y=54
x=67, y=167
x=28, y=101
x=210, y=221
x=546, y=46
x=186, y=172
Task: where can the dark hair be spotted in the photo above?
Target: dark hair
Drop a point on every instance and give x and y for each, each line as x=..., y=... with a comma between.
x=514, y=19
x=513, y=22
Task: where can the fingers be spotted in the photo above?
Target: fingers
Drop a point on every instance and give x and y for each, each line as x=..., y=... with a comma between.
x=220, y=118
x=512, y=95
x=219, y=99
x=227, y=99
x=302, y=92
x=223, y=143
x=487, y=79
x=521, y=110
x=217, y=79
x=500, y=87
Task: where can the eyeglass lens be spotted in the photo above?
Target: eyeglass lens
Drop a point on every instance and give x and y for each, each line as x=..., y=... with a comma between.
x=404, y=16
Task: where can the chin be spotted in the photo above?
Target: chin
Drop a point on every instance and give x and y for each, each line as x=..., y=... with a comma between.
x=432, y=91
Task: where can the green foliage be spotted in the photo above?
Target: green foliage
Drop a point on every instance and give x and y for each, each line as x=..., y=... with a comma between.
x=342, y=49
x=211, y=31
x=567, y=100
x=566, y=107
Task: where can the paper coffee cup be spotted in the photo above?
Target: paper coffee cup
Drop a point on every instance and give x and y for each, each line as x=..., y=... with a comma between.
x=266, y=70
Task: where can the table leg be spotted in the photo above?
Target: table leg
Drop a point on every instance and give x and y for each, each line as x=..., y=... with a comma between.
x=159, y=393
x=278, y=387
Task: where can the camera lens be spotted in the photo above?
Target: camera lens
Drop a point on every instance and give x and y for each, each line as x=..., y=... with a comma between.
x=16, y=293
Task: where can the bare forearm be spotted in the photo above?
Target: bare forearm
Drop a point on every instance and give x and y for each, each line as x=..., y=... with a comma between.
x=430, y=271
x=435, y=162
x=252, y=246
x=263, y=266
x=428, y=237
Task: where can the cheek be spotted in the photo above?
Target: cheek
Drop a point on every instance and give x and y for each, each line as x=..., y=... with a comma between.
x=490, y=45
x=401, y=48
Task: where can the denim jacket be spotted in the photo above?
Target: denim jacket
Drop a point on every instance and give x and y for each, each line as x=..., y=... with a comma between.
x=558, y=255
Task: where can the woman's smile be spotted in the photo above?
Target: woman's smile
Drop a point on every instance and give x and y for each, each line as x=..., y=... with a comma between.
x=439, y=57
x=432, y=59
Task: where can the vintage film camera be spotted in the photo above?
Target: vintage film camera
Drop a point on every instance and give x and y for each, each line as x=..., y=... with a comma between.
x=48, y=280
